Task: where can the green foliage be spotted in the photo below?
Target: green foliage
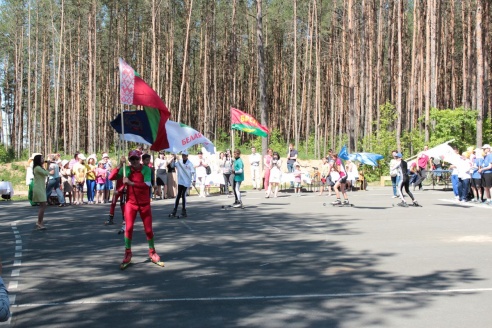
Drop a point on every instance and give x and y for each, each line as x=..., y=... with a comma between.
x=459, y=124
x=6, y=154
x=17, y=167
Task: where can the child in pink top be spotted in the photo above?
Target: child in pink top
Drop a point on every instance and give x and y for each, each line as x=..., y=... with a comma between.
x=101, y=176
x=297, y=180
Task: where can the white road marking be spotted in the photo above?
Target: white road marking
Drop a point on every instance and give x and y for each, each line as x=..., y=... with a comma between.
x=13, y=285
x=186, y=225
x=264, y=297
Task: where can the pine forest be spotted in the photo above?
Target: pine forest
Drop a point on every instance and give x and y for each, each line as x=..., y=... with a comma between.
x=318, y=73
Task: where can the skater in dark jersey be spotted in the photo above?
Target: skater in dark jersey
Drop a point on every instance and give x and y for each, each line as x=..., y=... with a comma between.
x=404, y=181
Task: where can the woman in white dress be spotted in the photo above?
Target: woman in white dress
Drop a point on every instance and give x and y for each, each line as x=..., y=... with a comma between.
x=275, y=175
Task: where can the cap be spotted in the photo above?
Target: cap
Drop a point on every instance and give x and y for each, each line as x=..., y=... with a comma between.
x=470, y=149
x=82, y=157
x=105, y=155
x=399, y=155
x=64, y=162
x=200, y=152
x=34, y=154
x=134, y=153
x=184, y=152
x=486, y=146
x=93, y=156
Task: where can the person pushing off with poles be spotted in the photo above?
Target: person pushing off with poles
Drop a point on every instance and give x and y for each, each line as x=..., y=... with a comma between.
x=137, y=178
x=404, y=181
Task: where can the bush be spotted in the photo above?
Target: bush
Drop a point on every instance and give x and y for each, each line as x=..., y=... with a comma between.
x=6, y=154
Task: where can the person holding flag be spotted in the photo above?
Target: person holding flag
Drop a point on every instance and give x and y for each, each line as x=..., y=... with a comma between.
x=137, y=178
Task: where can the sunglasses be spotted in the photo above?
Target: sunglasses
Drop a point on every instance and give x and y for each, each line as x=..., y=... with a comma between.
x=134, y=158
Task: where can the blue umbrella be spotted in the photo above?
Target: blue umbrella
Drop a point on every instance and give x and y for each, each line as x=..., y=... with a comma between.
x=366, y=158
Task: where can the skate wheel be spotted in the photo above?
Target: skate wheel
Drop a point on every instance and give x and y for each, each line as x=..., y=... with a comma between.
x=123, y=266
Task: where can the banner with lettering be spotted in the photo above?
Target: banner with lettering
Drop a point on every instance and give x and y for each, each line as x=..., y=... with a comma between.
x=247, y=123
x=139, y=128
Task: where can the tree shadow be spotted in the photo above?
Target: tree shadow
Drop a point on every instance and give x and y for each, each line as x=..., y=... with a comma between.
x=245, y=268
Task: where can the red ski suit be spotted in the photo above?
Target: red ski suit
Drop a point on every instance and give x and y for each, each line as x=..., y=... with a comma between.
x=137, y=200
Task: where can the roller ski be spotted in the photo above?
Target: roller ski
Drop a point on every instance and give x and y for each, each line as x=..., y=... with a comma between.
x=126, y=260
x=155, y=258
x=402, y=204
x=122, y=229
x=174, y=215
x=339, y=203
x=183, y=213
x=235, y=205
x=109, y=221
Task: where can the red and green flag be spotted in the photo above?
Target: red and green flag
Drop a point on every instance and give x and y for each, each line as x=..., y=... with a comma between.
x=247, y=123
x=134, y=91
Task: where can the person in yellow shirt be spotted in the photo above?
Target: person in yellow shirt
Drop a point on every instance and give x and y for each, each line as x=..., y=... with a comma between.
x=90, y=178
x=80, y=172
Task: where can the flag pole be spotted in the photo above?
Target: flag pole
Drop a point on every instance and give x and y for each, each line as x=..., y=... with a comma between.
x=122, y=137
x=232, y=140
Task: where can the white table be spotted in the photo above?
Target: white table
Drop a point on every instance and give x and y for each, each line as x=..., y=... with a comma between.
x=6, y=188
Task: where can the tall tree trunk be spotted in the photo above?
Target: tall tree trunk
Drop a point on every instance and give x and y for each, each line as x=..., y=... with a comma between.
x=261, y=72
x=185, y=59
x=352, y=76
x=399, y=101
x=480, y=72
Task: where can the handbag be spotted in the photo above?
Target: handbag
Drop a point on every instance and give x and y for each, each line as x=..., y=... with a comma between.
x=208, y=170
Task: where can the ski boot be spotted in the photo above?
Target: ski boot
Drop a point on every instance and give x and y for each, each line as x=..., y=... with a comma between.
x=109, y=221
x=183, y=213
x=155, y=258
x=337, y=202
x=238, y=204
x=402, y=204
x=416, y=204
x=122, y=229
x=346, y=203
x=127, y=259
x=173, y=214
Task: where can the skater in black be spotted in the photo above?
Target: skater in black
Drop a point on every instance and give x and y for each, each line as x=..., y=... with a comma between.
x=404, y=181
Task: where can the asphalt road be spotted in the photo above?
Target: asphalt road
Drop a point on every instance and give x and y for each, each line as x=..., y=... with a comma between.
x=280, y=262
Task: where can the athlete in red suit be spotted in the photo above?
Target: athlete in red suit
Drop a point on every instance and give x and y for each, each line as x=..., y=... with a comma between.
x=137, y=180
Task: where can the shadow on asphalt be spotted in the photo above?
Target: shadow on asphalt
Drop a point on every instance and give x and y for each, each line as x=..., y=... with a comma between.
x=260, y=267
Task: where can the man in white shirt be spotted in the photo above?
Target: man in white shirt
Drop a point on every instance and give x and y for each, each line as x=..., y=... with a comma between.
x=185, y=170
x=254, y=161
